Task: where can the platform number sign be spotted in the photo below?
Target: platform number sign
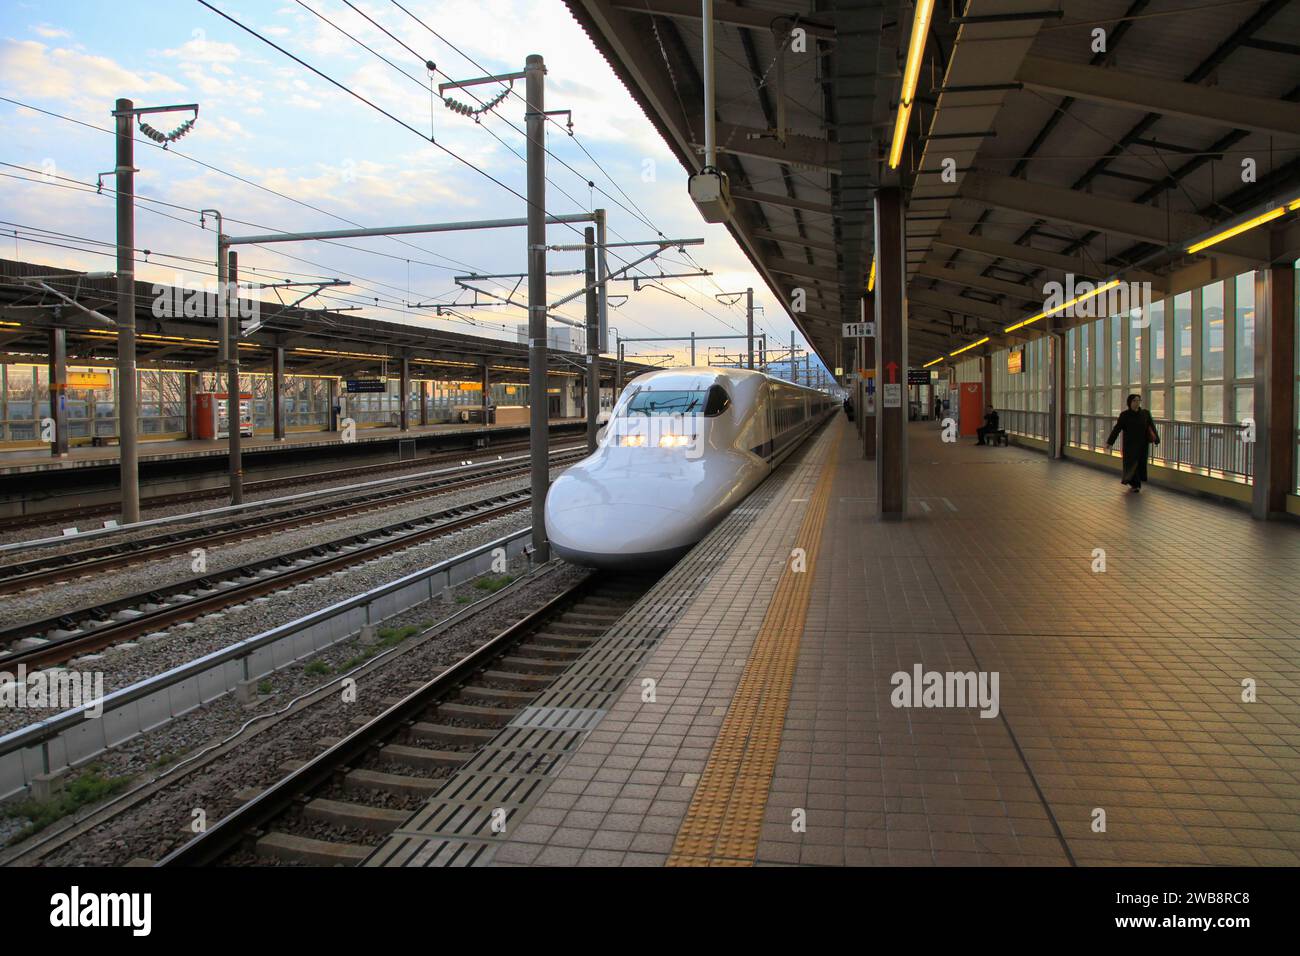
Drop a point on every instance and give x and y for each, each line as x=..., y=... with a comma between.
x=857, y=330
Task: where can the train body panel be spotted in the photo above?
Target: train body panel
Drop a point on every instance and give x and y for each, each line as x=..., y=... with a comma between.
x=682, y=448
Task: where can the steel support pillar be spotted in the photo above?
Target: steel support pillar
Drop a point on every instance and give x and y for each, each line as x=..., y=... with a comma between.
x=891, y=355
x=59, y=392
x=1056, y=421
x=404, y=388
x=226, y=282
x=986, y=370
x=277, y=392
x=1275, y=390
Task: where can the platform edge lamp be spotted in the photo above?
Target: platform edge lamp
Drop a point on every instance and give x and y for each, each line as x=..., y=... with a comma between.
x=911, y=73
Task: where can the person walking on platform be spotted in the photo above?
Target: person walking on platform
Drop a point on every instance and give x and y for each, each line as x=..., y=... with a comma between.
x=1139, y=435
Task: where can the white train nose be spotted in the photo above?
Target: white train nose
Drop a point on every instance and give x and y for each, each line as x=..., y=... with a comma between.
x=607, y=530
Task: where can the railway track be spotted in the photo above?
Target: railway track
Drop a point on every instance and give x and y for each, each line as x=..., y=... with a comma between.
x=333, y=809
x=51, y=568
x=67, y=517
x=59, y=638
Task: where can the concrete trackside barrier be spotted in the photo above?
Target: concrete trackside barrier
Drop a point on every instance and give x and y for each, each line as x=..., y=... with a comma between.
x=71, y=738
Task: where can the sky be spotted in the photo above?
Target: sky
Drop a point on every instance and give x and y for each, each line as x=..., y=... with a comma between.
x=278, y=148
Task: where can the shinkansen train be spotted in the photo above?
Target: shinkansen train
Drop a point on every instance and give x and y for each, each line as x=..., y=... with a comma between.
x=682, y=448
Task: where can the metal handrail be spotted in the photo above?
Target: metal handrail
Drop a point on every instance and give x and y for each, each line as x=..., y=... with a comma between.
x=1024, y=421
x=1218, y=449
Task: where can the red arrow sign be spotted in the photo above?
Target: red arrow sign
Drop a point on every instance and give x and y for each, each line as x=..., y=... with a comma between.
x=893, y=372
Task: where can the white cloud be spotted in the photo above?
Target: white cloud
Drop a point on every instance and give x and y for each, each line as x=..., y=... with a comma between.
x=49, y=32
x=35, y=70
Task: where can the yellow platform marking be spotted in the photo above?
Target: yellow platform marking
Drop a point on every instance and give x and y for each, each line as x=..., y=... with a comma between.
x=725, y=818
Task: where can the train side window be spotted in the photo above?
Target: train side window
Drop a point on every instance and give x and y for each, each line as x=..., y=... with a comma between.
x=717, y=402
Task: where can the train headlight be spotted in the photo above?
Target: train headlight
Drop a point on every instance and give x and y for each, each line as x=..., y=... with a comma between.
x=675, y=441
x=632, y=441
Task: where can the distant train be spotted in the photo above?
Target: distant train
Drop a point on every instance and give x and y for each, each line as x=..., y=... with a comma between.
x=682, y=448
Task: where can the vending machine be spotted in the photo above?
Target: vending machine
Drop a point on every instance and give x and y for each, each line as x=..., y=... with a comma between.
x=211, y=417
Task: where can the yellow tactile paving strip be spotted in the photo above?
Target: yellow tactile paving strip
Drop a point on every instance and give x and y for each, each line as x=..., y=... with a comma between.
x=725, y=817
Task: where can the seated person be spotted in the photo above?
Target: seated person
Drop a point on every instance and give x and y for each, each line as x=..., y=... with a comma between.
x=990, y=426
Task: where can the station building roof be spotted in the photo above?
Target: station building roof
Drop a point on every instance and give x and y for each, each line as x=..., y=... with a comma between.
x=1067, y=150
x=315, y=342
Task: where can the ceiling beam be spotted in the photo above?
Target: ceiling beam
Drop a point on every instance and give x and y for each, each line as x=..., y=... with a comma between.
x=952, y=237
x=964, y=306
x=974, y=280
x=793, y=240
x=793, y=267
x=1149, y=94
x=773, y=199
x=1082, y=266
x=1061, y=204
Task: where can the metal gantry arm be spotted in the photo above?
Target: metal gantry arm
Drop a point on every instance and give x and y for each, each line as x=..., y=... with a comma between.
x=38, y=282
x=662, y=244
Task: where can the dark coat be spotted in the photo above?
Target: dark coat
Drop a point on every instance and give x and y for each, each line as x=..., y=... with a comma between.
x=1134, y=426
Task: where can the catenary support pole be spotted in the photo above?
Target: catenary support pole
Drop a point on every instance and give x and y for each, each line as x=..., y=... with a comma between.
x=538, y=418
x=127, y=417
x=749, y=325
x=593, y=339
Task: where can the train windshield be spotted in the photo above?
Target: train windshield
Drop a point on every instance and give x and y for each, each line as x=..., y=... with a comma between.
x=651, y=402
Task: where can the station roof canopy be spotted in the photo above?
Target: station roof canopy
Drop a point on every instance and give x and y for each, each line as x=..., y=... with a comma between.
x=315, y=342
x=1098, y=138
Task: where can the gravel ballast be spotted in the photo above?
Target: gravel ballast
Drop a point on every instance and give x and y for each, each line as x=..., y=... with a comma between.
x=162, y=822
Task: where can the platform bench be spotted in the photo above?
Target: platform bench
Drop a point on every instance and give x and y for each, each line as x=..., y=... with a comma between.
x=1000, y=437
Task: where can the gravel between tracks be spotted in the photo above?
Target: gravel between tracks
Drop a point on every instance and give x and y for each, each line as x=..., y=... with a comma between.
x=162, y=822
x=339, y=485
x=125, y=664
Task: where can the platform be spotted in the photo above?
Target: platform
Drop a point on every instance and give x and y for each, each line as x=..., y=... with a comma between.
x=87, y=456
x=770, y=736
